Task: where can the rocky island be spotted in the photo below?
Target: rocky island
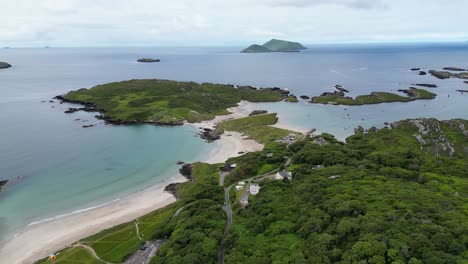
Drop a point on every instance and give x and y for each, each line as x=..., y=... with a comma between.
x=148, y=60
x=339, y=97
x=447, y=74
x=165, y=102
x=4, y=65
x=275, y=45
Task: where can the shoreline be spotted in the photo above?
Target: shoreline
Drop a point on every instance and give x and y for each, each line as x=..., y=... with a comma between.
x=47, y=236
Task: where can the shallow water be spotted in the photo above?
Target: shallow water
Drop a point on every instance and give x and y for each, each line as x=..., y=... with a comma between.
x=64, y=167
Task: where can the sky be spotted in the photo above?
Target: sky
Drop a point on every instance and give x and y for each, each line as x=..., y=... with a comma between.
x=228, y=22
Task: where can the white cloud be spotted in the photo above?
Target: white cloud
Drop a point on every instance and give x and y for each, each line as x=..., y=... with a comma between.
x=213, y=22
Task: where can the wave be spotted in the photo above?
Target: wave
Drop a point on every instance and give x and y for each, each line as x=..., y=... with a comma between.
x=72, y=213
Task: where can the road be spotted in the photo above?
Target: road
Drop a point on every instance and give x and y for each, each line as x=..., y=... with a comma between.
x=144, y=256
x=229, y=212
x=228, y=225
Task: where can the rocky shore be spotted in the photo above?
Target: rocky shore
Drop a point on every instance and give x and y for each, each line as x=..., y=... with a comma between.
x=90, y=107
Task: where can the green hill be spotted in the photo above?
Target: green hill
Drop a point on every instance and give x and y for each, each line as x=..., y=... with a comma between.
x=275, y=45
x=255, y=48
x=283, y=45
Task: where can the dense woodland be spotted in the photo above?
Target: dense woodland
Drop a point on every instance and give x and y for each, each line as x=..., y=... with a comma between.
x=394, y=195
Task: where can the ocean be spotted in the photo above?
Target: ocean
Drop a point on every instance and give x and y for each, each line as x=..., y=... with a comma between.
x=59, y=168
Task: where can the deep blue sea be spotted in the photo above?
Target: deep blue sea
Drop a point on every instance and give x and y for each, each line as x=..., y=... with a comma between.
x=64, y=167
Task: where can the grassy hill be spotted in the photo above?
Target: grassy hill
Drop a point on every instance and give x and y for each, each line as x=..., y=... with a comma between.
x=283, y=45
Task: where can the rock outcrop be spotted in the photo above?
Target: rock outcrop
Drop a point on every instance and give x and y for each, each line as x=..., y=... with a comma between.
x=4, y=65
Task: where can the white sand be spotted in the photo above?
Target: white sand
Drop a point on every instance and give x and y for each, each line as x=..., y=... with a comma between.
x=37, y=241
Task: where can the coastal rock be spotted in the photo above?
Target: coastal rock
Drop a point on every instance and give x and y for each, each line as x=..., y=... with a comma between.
x=186, y=171
x=426, y=85
x=172, y=189
x=466, y=82
x=440, y=74
x=2, y=184
x=422, y=73
x=258, y=112
x=87, y=126
x=454, y=69
x=415, y=69
x=341, y=88
x=305, y=97
x=209, y=135
x=148, y=60
x=4, y=65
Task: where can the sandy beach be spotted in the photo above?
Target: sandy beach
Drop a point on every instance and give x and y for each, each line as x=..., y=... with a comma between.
x=39, y=240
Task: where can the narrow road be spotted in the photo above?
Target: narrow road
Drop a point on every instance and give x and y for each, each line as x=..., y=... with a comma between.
x=228, y=224
x=144, y=256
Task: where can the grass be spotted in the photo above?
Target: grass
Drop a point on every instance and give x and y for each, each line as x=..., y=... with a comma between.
x=73, y=255
x=256, y=127
x=374, y=98
x=168, y=102
x=291, y=99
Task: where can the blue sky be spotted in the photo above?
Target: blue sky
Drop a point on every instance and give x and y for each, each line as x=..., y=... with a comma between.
x=228, y=22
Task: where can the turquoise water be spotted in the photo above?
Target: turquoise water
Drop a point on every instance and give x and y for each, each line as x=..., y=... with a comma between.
x=64, y=167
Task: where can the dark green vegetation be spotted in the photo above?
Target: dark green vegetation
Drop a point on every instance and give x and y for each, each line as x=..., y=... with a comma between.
x=257, y=127
x=385, y=197
x=373, y=98
x=394, y=195
x=167, y=102
x=4, y=65
x=275, y=45
x=447, y=74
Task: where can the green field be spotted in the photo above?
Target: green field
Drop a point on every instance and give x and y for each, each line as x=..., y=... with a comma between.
x=374, y=98
x=168, y=102
x=257, y=127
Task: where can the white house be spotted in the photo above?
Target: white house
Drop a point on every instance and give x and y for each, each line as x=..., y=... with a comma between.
x=254, y=189
x=241, y=183
x=238, y=187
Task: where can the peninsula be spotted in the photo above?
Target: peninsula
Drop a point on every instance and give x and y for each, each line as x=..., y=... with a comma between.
x=275, y=45
x=165, y=102
x=4, y=65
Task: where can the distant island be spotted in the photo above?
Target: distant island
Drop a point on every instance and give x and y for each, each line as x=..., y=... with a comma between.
x=4, y=65
x=275, y=45
x=148, y=60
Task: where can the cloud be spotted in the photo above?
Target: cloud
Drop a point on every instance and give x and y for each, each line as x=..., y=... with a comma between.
x=356, y=4
x=214, y=22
